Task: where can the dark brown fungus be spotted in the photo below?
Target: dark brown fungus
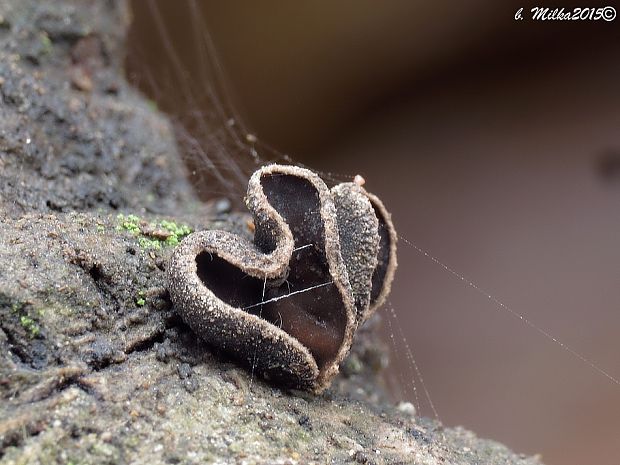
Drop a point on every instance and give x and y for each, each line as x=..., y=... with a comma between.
x=386, y=267
x=289, y=302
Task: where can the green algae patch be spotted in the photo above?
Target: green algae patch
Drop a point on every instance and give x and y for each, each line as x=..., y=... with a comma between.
x=128, y=223
x=27, y=321
x=45, y=43
x=141, y=299
x=177, y=231
x=154, y=234
x=30, y=325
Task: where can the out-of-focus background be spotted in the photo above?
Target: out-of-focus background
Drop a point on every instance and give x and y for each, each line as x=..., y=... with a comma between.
x=494, y=142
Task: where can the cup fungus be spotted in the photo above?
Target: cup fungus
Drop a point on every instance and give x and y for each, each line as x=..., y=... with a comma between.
x=289, y=302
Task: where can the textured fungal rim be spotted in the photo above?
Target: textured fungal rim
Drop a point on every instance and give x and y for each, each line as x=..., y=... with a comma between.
x=190, y=294
x=337, y=268
x=183, y=262
x=345, y=190
x=392, y=265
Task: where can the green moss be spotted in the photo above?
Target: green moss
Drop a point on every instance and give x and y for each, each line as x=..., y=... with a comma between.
x=16, y=307
x=30, y=325
x=141, y=300
x=139, y=227
x=128, y=223
x=147, y=243
x=177, y=232
x=100, y=228
x=46, y=43
x=28, y=322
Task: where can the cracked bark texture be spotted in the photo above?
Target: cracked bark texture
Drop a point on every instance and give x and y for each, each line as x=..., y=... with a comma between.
x=95, y=366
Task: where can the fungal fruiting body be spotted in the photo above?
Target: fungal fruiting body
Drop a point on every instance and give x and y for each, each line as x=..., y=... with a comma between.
x=289, y=302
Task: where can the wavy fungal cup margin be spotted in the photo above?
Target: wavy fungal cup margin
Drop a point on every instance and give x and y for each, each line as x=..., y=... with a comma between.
x=289, y=302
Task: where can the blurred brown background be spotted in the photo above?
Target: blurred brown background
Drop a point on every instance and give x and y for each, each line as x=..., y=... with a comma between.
x=495, y=143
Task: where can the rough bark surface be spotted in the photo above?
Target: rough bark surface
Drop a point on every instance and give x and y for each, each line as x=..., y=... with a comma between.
x=95, y=366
